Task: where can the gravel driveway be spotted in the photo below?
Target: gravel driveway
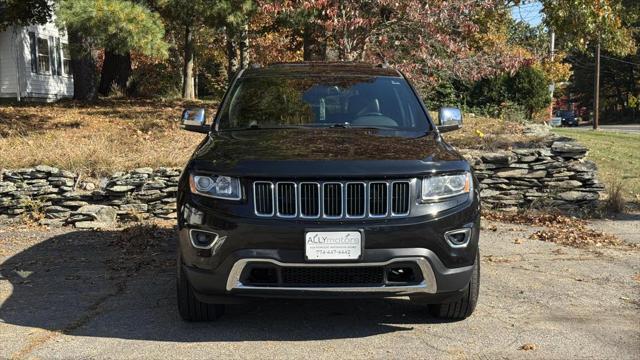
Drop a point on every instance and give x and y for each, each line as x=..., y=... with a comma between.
x=75, y=294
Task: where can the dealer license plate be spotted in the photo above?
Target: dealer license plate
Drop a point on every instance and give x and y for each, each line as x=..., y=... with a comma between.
x=333, y=245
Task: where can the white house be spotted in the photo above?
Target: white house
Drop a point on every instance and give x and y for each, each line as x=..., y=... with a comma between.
x=35, y=63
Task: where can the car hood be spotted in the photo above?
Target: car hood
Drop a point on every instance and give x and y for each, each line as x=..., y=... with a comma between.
x=335, y=152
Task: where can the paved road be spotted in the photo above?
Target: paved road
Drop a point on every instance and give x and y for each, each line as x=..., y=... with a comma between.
x=634, y=128
x=72, y=294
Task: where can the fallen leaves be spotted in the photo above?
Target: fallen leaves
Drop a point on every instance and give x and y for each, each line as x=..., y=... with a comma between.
x=559, y=229
x=142, y=246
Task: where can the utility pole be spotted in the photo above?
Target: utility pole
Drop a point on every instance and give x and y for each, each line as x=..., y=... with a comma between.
x=552, y=86
x=596, y=99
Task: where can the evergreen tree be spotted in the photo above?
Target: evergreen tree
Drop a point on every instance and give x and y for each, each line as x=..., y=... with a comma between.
x=116, y=25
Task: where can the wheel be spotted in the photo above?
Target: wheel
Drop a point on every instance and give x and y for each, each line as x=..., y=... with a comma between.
x=462, y=308
x=190, y=308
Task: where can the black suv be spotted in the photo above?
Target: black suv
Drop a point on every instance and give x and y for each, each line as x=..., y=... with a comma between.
x=326, y=180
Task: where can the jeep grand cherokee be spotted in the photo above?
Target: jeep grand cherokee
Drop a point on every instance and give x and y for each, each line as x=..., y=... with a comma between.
x=326, y=180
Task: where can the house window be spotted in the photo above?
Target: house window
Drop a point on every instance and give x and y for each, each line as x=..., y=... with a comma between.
x=66, y=59
x=43, y=57
x=34, y=52
x=58, y=54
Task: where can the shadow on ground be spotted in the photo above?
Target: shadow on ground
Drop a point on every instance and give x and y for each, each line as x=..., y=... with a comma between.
x=104, y=284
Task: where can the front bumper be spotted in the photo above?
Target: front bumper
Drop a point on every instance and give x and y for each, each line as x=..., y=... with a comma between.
x=216, y=274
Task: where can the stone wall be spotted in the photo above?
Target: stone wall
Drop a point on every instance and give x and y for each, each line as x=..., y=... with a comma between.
x=555, y=175
x=64, y=198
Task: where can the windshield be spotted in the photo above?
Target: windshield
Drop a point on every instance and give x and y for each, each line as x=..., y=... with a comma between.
x=377, y=102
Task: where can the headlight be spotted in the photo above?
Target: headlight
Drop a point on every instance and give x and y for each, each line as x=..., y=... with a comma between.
x=445, y=186
x=222, y=187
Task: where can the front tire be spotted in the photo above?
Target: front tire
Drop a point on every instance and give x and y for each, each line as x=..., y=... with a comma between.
x=464, y=307
x=189, y=307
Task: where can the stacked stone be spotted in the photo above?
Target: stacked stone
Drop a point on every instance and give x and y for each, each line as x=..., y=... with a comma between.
x=553, y=176
x=64, y=199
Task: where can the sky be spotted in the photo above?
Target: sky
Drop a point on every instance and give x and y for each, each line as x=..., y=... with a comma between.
x=529, y=12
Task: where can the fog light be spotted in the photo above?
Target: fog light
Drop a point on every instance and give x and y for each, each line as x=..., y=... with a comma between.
x=458, y=238
x=203, y=239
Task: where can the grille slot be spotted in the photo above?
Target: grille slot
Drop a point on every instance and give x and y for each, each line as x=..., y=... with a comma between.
x=332, y=195
x=286, y=199
x=378, y=199
x=333, y=200
x=310, y=200
x=355, y=199
x=263, y=198
x=400, y=198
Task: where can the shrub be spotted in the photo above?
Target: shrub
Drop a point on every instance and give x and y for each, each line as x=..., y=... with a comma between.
x=155, y=80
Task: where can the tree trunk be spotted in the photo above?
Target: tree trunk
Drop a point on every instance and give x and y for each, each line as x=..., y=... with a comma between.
x=115, y=70
x=596, y=104
x=314, y=43
x=83, y=65
x=244, y=47
x=188, y=90
x=232, y=56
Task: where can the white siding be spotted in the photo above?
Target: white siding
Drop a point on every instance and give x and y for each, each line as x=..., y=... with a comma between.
x=8, y=64
x=32, y=85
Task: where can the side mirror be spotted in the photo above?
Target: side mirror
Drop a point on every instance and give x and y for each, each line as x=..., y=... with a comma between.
x=449, y=119
x=194, y=120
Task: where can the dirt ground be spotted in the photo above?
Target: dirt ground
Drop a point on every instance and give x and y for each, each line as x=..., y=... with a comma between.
x=83, y=294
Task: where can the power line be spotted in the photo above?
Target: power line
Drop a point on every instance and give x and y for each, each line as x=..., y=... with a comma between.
x=619, y=60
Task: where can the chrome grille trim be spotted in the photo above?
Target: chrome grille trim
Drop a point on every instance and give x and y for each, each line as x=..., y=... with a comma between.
x=261, y=198
x=400, y=198
x=309, y=204
x=289, y=199
x=354, y=202
x=333, y=200
x=378, y=199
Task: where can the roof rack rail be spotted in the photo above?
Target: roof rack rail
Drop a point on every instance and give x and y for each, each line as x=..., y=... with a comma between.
x=384, y=65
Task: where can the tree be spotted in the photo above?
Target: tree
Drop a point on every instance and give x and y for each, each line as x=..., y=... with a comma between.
x=592, y=24
x=431, y=41
x=529, y=88
x=191, y=15
x=581, y=24
x=24, y=12
x=116, y=25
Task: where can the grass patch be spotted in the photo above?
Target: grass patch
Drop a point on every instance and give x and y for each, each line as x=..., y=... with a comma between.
x=617, y=156
x=110, y=135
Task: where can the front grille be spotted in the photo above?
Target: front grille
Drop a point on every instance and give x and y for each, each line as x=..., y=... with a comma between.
x=378, y=199
x=309, y=198
x=399, y=198
x=355, y=199
x=333, y=200
x=312, y=276
x=286, y=194
x=263, y=198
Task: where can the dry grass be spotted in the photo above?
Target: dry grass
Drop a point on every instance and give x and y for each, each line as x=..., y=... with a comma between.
x=119, y=134
x=615, y=198
x=96, y=139
x=483, y=133
x=617, y=156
